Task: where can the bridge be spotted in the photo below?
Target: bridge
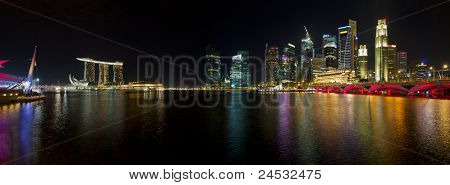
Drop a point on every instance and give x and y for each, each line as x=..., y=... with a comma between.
x=407, y=89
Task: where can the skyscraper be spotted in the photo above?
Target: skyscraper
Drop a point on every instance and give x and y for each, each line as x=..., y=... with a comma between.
x=213, y=72
x=363, y=59
x=89, y=72
x=345, y=49
x=402, y=62
x=288, y=64
x=381, y=44
x=103, y=74
x=239, y=74
x=306, y=55
x=392, y=62
x=118, y=74
x=330, y=51
x=272, y=58
x=354, y=42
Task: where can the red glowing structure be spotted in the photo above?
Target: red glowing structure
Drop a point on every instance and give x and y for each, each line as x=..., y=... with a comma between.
x=432, y=89
x=7, y=78
x=334, y=89
x=354, y=89
x=389, y=89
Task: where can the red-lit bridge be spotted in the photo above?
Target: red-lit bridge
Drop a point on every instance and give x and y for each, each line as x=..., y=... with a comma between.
x=435, y=89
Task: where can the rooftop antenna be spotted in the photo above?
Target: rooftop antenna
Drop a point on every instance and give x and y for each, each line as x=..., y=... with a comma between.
x=307, y=33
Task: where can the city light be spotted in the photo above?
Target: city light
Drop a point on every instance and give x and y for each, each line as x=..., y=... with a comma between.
x=445, y=66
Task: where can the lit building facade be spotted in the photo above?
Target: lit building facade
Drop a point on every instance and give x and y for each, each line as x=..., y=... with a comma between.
x=103, y=72
x=330, y=51
x=239, y=73
x=89, y=72
x=345, y=49
x=118, y=74
x=307, y=53
x=381, y=56
x=272, y=60
x=288, y=65
x=354, y=45
x=213, y=70
x=421, y=71
x=402, y=63
x=363, y=62
x=392, y=62
x=318, y=65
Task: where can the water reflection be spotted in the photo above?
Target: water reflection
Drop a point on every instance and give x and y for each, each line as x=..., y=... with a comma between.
x=16, y=132
x=236, y=129
x=287, y=128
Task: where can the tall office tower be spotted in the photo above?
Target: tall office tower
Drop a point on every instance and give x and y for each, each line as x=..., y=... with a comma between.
x=381, y=44
x=118, y=74
x=354, y=42
x=272, y=58
x=213, y=73
x=89, y=72
x=402, y=62
x=363, y=60
x=306, y=56
x=287, y=69
x=246, y=77
x=392, y=62
x=103, y=75
x=345, y=49
x=240, y=76
x=330, y=51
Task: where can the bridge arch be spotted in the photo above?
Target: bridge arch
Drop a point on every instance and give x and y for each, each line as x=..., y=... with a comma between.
x=354, y=88
x=388, y=88
x=334, y=89
x=432, y=88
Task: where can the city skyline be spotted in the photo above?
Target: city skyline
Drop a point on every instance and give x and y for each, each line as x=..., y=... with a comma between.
x=244, y=38
x=218, y=83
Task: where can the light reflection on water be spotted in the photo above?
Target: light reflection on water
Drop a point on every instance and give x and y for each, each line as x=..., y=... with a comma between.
x=287, y=128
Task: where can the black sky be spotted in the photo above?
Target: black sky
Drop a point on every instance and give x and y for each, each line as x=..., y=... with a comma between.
x=186, y=27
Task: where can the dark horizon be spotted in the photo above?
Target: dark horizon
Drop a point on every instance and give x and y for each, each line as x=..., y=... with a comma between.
x=184, y=28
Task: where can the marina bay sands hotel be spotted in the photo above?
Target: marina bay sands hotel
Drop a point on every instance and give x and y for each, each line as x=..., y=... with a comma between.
x=103, y=72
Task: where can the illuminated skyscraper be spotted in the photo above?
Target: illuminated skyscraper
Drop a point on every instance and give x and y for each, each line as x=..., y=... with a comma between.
x=118, y=74
x=239, y=73
x=381, y=55
x=287, y=69
x=402, y=62
x=213, y=73
x=354, y=42
x=363, y=60
x=103, y=71
x=392, y=62
x=306, y=55
x=246, y=82
x=103, y=74
x=272, y=58
x=345, y=49
x=330, y=51
x=89, y=72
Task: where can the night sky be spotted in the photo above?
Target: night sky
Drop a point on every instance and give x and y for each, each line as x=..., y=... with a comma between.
x=185, y=28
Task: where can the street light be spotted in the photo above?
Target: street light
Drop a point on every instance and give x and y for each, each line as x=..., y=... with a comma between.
x=445, y=69
x=431, y=68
